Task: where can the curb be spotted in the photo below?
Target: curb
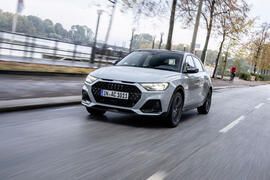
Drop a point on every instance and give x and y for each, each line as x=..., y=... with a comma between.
x=36, y=73
x=34, y=103
x=232, y=86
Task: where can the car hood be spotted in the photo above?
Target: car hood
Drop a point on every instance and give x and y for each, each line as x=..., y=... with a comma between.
x=133, y=74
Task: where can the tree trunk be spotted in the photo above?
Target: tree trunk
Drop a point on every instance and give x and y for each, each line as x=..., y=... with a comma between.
x=225, y=64
x=209, y=30
x=218, y=56
x=153, y=43
x=203, y=56
x=172, y=18
x=196, y=27
x=255, y=67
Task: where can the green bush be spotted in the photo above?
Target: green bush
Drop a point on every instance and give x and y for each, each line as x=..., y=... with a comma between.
x=259, y=77
x=265, y=77
x=245, y=76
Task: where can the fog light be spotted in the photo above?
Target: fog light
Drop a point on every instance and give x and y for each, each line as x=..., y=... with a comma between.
x=85, y=96
x=152, y=106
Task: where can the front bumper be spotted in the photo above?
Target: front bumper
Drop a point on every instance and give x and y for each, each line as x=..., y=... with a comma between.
x=157, y=98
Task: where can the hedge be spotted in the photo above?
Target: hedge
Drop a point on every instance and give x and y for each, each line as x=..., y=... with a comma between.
x=245, y=76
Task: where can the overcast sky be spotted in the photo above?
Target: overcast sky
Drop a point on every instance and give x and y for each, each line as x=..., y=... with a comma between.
x=83, y=12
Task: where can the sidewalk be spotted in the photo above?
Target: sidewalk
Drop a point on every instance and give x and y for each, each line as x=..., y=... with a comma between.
x=221, y=84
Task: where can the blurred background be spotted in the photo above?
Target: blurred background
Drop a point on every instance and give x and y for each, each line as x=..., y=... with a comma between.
x=66, y=40
x=47, y=48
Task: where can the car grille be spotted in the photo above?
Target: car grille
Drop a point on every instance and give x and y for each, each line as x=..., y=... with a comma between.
x=134, y=94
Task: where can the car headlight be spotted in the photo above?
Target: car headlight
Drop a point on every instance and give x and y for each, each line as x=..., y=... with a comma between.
x=90, y=79
x=155, y=86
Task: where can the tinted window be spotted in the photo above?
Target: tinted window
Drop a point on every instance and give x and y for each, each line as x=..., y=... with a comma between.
x=188, y=63
x=155, y=60
x=198, y=64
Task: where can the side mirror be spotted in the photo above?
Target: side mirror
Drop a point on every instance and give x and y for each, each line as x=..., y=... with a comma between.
x=192, y=70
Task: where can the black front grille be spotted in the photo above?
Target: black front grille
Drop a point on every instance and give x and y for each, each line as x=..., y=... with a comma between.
x=134, y=94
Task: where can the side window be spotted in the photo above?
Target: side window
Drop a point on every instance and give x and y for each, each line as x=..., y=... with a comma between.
x=188, y=63
x=198, y=64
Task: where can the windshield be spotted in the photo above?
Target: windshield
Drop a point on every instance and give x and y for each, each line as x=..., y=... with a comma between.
x=154, y=60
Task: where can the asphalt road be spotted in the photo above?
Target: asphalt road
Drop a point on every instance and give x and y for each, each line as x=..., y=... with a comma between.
x=28, y=86
x=232, y=142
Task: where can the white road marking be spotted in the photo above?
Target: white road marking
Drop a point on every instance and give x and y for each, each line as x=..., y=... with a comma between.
x=160, y=175
x=259, y=106
x=232, y=124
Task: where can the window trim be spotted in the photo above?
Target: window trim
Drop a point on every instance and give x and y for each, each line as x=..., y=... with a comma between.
x=194, y=57
x=183, y=65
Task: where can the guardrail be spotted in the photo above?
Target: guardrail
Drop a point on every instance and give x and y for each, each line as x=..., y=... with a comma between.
x=34, y=47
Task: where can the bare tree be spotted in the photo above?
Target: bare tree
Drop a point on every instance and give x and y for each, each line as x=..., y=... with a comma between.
x=211, y=11
x=231, y=25
x=257, y=43
x=265, y=60
x=154, y=8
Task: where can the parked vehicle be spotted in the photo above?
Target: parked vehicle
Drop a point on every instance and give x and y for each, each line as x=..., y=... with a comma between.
x=150, y=82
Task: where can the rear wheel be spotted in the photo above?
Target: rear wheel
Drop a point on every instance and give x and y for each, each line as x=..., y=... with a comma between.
x=175, y=111
x=205, y=108
x=95, y=112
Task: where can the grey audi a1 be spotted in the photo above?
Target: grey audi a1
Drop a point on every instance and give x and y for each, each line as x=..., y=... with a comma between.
x=150, y=82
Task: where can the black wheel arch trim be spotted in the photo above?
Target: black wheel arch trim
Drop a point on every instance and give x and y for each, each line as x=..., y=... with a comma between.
x=177, y=89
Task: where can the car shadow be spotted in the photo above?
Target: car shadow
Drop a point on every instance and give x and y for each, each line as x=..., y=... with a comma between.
x=133, y=120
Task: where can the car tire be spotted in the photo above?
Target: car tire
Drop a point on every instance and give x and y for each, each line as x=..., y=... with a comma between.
x=205, y=108
x=174, y=115
x=95, y=112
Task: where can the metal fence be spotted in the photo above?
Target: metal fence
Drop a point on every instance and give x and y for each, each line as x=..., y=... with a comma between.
x=38, y=48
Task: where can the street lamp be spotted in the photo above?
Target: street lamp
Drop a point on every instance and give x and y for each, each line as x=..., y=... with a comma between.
x=19, y=9
x=131, y=40
x=92, y=60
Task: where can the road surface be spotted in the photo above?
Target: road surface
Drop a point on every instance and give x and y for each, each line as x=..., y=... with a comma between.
x=232, y=142
x=28, y=86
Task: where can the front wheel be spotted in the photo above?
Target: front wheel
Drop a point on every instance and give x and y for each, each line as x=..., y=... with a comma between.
x=95, y=112
x=205, y=108
x=175, y=111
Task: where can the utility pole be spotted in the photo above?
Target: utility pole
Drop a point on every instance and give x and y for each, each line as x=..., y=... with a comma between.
x=110, y=23
x=196, y=27
x=131, y=40
x=93, y=53
x=161, y=39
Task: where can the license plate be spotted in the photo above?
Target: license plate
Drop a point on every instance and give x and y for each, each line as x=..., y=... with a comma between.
x=114, y=94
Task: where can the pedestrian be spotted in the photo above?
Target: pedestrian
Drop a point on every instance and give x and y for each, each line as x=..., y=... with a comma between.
x=233, y=71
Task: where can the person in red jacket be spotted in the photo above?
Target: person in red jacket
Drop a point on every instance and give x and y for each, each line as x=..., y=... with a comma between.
x=233, y=71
